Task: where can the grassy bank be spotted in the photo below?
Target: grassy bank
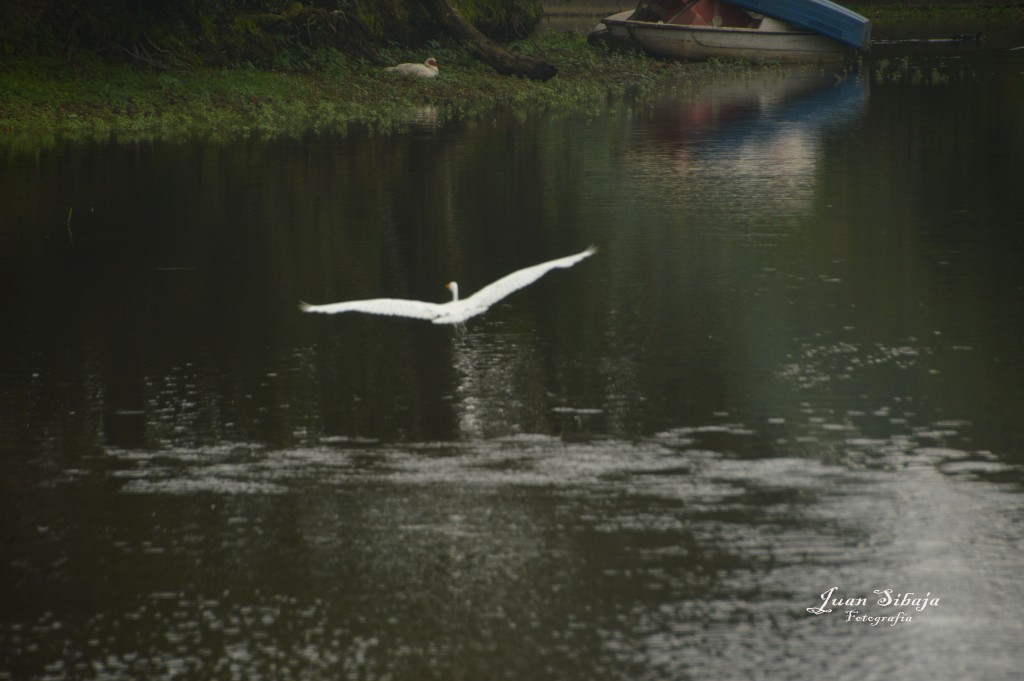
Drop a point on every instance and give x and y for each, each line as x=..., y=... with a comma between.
x=44, y=101
x=924, y=10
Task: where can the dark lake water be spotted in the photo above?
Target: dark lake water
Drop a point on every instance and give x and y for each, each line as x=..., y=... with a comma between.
x=794, y=364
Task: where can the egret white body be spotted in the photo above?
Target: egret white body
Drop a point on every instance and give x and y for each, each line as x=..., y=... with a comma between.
x=457, y=310
x=427, y=69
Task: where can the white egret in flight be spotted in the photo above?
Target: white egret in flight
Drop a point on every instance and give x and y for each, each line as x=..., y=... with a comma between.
x=454, y=311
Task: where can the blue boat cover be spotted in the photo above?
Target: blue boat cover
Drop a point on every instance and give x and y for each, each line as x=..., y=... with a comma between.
x=820, y=16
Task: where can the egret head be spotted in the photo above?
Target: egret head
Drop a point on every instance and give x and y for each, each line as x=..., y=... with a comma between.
x=454, y=288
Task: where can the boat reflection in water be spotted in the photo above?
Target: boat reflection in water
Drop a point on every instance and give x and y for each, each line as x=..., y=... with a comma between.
x=755, y=143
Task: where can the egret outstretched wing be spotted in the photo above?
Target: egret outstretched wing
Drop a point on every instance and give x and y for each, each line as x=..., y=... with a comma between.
x=510, y=283
x=391, y=307
x=454, y=311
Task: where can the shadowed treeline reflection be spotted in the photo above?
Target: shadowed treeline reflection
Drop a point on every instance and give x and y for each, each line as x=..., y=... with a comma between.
x=192, y=268
x=176, y=269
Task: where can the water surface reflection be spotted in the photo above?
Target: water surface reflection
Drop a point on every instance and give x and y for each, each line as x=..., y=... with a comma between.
x=791, y=366
x=675, y=556
x=753, y=144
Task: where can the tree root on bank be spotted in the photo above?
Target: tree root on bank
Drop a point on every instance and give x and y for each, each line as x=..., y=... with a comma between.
x=485, y=49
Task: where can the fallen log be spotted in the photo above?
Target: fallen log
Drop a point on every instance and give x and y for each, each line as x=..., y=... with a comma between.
x=485, y=49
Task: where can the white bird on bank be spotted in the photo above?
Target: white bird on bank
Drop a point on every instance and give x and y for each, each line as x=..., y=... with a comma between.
x=454, y=311
x=427, y=69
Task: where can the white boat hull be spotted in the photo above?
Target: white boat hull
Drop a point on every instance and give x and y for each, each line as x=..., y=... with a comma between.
x=772, y=42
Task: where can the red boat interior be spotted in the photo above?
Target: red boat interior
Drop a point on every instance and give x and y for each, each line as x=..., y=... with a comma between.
x=695, y=13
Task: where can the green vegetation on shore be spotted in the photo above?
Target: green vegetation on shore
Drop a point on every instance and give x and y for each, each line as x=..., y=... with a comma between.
x=936, y=10
x=46, y=100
